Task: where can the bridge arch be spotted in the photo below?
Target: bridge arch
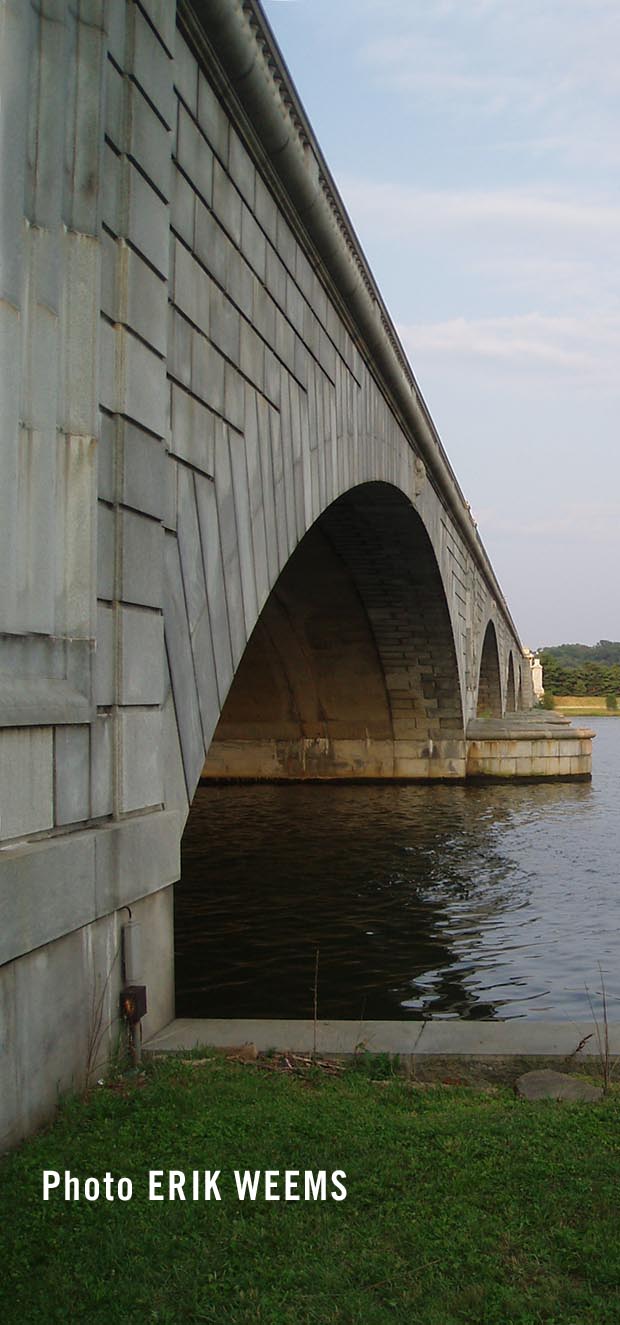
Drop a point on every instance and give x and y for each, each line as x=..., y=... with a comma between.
x=351, y=670
x=511, y=693
x=489, y=702
x=521, y=704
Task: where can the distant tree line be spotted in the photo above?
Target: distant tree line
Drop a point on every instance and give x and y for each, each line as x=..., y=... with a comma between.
x=582, y=669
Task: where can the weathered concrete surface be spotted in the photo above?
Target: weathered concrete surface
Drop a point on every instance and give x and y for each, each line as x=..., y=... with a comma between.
x=545, y=1039
x=197, y=374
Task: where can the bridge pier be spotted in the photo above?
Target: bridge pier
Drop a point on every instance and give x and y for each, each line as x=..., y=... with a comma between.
x=532, y=746
x=528, y=746
x=323, y=759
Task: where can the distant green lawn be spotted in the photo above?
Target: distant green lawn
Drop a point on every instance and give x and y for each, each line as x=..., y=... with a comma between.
x=462, y=1205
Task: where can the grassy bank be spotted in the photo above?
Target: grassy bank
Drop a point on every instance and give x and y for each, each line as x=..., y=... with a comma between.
x=584, y=706
x=570, y=711
x=462, y=1205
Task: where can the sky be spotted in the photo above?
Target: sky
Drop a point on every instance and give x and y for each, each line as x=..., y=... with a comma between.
x=476, y=146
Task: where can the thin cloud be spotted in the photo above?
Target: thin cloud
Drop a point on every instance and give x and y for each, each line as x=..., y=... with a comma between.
x=597, y=523
x=401, y=209
x=522, y=252
x=535, y=44
x=421, y=65
x=526, y=68
x=476, y=145
x=588, y=346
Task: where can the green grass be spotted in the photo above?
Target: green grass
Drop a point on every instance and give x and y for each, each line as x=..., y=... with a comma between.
x=463, y=1205
x=587, y=713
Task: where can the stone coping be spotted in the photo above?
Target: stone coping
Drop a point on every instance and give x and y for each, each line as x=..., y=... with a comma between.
x=515, y=1037
x=525, y=727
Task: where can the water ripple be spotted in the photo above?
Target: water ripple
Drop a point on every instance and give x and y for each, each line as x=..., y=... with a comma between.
x=423, y=901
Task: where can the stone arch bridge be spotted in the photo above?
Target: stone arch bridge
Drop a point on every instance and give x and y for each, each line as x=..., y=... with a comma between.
x=232, y=543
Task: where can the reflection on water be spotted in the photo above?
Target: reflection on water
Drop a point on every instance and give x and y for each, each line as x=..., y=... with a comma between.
x=442, y=901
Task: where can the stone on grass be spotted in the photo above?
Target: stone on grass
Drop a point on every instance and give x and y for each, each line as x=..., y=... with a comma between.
x=545, y=1084
x=243, y=1053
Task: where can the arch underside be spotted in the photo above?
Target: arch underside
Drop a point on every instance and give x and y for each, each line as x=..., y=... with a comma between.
x=351, y=671
x=489, y=682
x=511, y=697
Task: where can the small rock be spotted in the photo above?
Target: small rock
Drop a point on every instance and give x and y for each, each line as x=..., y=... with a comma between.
x=546, y=1084
x=244, y=1053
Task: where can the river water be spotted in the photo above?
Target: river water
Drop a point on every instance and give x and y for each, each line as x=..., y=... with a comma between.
x=423, y=901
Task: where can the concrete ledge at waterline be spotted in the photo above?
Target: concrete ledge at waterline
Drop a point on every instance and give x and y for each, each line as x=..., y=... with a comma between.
x=518, y=1037
x=538, y=775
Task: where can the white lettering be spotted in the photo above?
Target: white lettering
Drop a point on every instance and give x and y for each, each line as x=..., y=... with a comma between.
x=205, y=1183
x=315, y=1189
x=247, y=1184
x=291, y=1184
x=336, y=1176
x=176, y=1183
x=51, y=1179
x=72, y=1187
x=211, y=1187
x=155, y=1177
x=271, y=1176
